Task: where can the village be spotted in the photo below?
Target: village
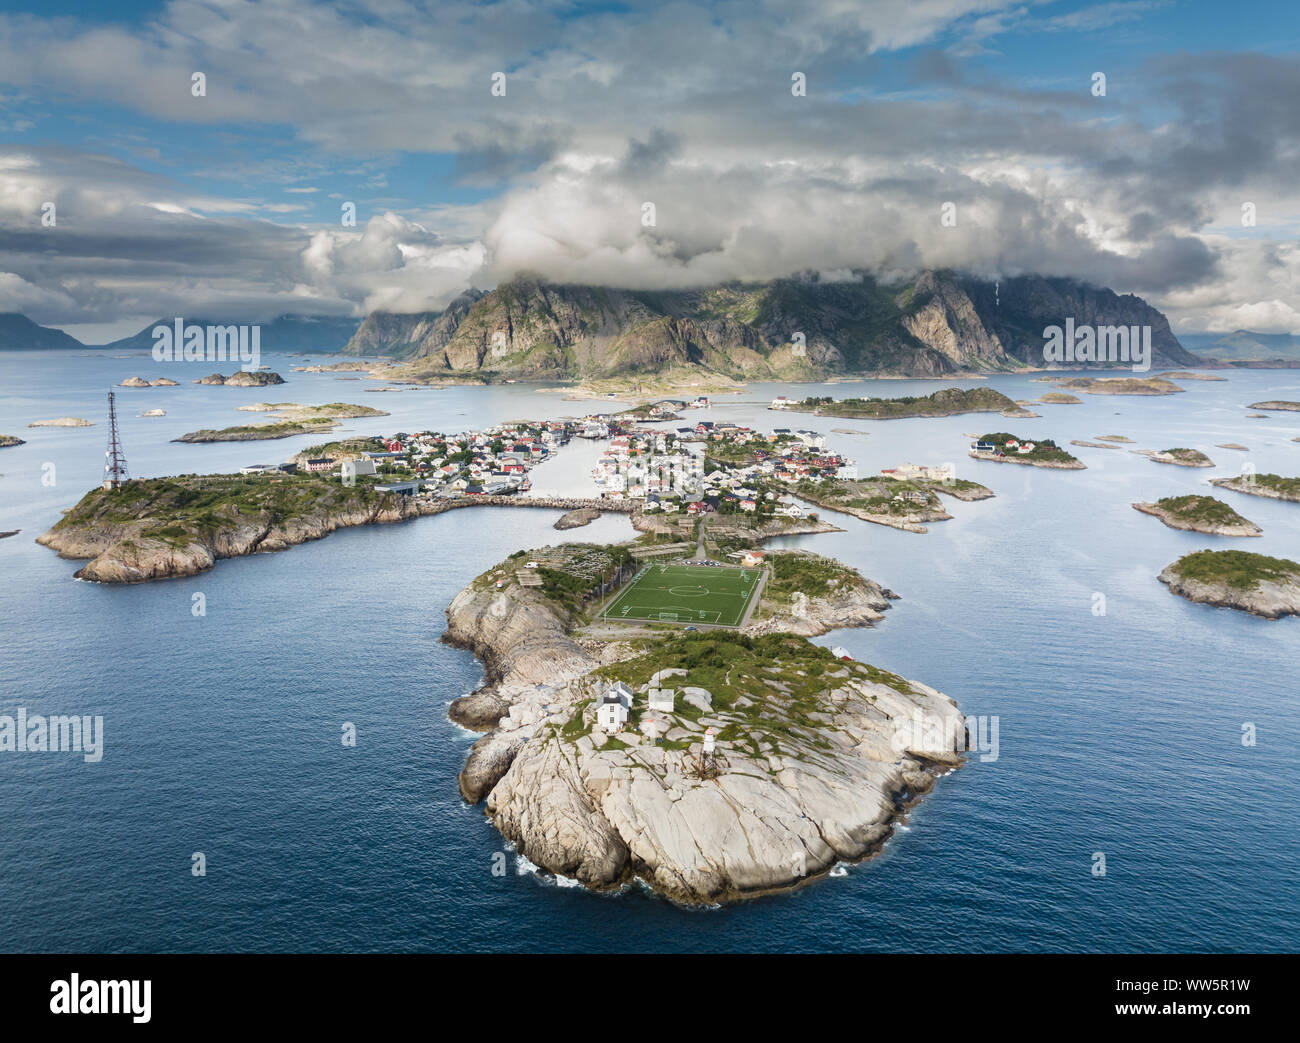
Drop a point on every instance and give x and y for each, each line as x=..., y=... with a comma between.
x=650, y=461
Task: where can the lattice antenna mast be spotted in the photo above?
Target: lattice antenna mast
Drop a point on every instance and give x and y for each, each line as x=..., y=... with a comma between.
x=114, y=459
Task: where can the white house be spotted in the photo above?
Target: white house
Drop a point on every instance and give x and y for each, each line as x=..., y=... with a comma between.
x=354, y=469
x=611, y=716
x=614, y=706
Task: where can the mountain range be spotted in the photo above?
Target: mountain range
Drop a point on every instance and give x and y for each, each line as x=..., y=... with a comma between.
x=302, y=333
x=19, y=333
x=1245, y=346
x=794, y=329
x=799, y=328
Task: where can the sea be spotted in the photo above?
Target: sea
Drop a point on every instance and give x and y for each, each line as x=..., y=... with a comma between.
x=1143, y=796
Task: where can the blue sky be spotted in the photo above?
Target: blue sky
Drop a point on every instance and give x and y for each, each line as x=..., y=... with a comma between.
x=230, y=203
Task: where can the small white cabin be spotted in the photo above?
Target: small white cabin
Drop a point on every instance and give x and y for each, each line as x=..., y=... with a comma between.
x=660, y=700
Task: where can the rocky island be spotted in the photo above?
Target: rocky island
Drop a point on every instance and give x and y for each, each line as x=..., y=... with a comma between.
x=1269, y=486
x=158, y=528
x=814, y=758
x=140, y=382
x=906, y=504
x=948, y=402
x=577, y=519
x=1120, y=385
x=1177, y=457
x=293, y=420
x=1287, y=407
x=10, y=440
x=63, y=421
x=1255, y=583
x=1200, y=514
x=1003, y=448
x=242, y=378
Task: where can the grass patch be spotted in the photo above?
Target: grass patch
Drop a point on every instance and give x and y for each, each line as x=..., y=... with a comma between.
x=1239, y=569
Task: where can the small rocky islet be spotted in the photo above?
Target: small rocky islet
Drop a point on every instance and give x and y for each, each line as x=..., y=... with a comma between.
x=1256, y=583
x=1195, y=513
x=1004, y=448
x=242, y=378
x=1180, y=457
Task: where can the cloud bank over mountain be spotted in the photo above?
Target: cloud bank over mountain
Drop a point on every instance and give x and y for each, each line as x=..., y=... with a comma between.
x=229, y=203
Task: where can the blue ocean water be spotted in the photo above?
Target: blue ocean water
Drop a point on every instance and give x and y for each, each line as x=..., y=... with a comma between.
x=1118, y=734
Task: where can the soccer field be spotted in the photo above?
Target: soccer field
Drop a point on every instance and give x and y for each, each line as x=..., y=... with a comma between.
x=709, y=595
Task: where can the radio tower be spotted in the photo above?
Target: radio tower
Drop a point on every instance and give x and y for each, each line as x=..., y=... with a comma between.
x=114, y=459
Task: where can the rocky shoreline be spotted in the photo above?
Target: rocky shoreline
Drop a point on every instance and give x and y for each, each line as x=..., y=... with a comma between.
x=577, y=519
x=1271, y=596
x=1051, y=465
x=1242, y=527
x=1176, y=457
x=609, y=813
x=1257, y=485
x=154, y=544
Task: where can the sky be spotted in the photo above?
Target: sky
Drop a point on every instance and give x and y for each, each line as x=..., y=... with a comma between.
x=228, y=199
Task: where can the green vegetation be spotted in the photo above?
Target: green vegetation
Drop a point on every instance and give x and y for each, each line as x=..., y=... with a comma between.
x=770, y=691
x=571, y=575
x=348, y=447
x=260, y=432
x=1239, y=569
x=1187, y=456
x=1205, y=510
x=1287, y=487
x=180, y=510
x=948, y=402
x=808, y=574
x=872, y=495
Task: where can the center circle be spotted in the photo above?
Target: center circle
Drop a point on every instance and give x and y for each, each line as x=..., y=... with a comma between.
x=689, y=592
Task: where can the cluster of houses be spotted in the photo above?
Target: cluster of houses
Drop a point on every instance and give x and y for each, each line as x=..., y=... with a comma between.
x=492, y=462
x=682, y=471
x=797, y=456
x=1013, y=445
x=642, y=463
